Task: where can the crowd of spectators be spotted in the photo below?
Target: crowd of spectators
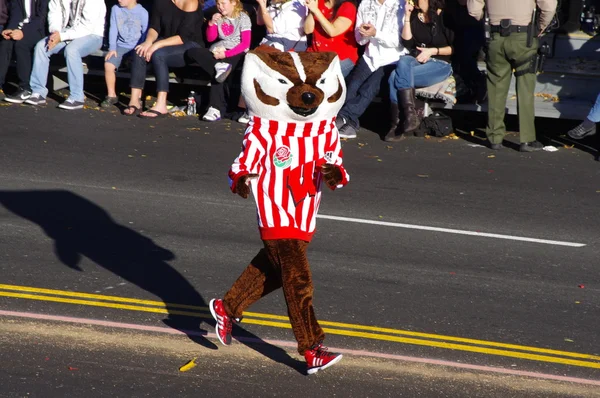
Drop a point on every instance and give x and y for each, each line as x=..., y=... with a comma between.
x=408, y=45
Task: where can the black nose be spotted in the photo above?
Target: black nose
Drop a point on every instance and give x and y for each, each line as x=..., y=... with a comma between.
x=308, y=98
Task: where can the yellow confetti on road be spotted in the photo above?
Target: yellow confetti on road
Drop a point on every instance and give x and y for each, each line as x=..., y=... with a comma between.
x=189, y=365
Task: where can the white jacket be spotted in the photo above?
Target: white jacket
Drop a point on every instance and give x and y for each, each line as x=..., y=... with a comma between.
x=388, y=18
x=89, y=18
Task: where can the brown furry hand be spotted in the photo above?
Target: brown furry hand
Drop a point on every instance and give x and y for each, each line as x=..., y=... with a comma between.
x=242, y=187
x=332, y=175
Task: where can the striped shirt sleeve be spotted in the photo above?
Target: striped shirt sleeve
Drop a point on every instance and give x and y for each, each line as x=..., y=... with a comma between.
x=248, y=161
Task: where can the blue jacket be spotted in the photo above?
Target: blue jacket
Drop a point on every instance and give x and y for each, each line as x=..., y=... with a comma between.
x=37, y=20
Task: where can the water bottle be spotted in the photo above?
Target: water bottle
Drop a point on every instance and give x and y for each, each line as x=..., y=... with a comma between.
x=588, y=21
x=191, y=104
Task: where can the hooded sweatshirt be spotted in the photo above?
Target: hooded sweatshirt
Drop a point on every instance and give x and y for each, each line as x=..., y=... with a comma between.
x=74, y=19
x=287, y=157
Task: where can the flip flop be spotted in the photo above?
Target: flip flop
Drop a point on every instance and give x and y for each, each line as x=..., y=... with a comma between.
x=152, y=111
x=136, y=110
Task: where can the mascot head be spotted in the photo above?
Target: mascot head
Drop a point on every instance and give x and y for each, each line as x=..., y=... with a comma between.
x=293, y=86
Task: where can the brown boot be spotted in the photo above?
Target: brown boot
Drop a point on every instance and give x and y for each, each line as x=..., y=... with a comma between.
x=395, y=119
x=406, y=99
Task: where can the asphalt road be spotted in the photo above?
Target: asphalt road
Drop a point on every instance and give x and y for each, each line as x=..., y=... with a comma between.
x=97, y=203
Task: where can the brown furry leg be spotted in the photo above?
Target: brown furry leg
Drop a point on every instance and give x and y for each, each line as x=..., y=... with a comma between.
x=290, y=255
x=258, y=279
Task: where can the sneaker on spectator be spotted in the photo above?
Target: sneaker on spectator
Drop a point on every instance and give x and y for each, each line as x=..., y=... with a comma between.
x=108, y=102
x=245, y=118
x=19, y=97
x=36, y=99
x=347, y=131
x=318, y=358
x=223, y=70
x=224, y=322
x=340, y=121
x=71, y=104
x=581, y=131
x=212, y=115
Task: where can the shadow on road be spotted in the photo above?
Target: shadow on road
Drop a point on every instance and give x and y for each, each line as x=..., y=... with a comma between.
x=80, y=228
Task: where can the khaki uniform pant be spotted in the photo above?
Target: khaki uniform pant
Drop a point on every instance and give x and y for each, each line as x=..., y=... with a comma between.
x=281, y=263
x=503, y=53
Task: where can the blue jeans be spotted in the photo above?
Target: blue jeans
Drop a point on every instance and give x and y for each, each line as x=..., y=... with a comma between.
x=363, y=86
x=347, y=65
x=410, y=73
x=74, y=51
x=594, y=115
x=162, y=59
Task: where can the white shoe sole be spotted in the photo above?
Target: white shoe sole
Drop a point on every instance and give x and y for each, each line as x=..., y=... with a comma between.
x=70, y=108
x=312, y=371
x=15, y=101
x=38, y=103
x=211, y=306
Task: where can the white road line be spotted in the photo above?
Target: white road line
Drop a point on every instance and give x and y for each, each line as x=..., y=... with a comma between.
x=451, y=231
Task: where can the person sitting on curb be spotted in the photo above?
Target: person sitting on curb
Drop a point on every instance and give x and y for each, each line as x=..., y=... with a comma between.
x=77, y=28
x=429, y=40
x=588, y=126
x=230, y=30
x=128, y=28
x=377, y=27
x=331, y=23
x=26, y=26
x=175, y=27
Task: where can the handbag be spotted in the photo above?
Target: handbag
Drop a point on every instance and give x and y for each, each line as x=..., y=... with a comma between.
x=438, y=124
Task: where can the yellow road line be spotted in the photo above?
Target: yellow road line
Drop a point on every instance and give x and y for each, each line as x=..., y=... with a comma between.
x=99, y=297
x=170, y=309
x=164, y=310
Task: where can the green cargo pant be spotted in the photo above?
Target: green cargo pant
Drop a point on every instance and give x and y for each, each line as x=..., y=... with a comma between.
x=503, y=53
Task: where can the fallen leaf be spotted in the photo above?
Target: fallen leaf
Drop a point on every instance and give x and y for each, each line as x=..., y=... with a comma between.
x=380, y=216
x=72, y=368
x=379, y=160
x=423, y=175
x=389, y=147
x=491, y=156
x=581, y=286
x=189, y=365
x=568, y=146
x=568, y=340
x=578, y=302
x=130, y=156
x=114, y=187
x=194, y=128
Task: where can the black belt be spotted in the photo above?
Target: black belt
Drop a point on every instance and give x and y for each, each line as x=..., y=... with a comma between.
x=512, y=28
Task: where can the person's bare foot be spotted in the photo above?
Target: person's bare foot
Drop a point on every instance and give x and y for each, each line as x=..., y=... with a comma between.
x=133, y=108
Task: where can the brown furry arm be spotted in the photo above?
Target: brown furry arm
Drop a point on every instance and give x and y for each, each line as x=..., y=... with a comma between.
x=332, y=175
x=242, y=186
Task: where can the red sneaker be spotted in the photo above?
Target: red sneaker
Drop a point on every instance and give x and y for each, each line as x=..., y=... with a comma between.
x=317, y=358
x=224, y=322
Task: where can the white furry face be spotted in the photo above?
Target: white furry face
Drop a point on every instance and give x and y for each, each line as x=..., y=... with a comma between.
x=295, y=87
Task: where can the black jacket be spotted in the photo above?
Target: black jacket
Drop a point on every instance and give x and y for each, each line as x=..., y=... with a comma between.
x=37, y=21
x=3, y=12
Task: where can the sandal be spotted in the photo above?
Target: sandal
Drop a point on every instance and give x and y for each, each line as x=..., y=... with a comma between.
x=136, y=110
x=153, y=112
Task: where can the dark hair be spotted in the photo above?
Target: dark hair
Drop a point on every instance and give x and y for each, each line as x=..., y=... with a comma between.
x=434, y=6
x=338, y=3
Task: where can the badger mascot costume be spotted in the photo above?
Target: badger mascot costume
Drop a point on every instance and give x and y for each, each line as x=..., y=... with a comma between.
x=291, y=146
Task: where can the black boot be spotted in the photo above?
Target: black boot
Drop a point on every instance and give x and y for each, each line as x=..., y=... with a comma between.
x=406, y=99
x=395, y=119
